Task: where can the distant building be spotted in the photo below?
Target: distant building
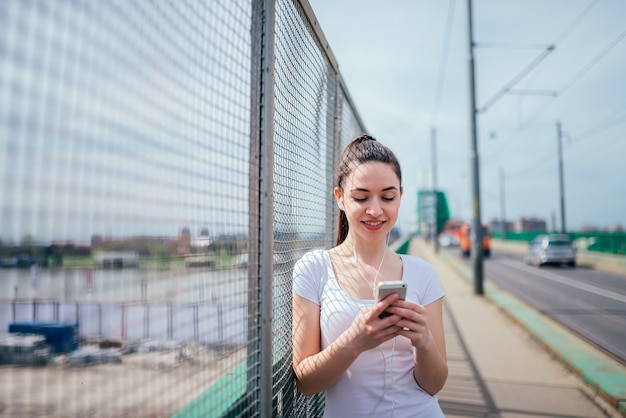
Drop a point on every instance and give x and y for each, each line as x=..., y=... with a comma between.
x=96, y=241
x=200, y=243
x=184, y=242
x=116, y=259
x=496, y=225
x=530, y=225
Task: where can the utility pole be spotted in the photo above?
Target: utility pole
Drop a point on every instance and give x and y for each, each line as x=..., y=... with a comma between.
x=561, y=187
x=477, y=232
x=433, y=139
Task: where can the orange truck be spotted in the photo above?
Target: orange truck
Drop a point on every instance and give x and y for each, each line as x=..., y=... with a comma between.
x=464, y=236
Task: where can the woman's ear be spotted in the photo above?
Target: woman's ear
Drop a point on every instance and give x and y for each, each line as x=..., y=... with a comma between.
x=339, y=197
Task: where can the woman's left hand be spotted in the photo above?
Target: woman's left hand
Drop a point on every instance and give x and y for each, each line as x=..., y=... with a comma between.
x=414, y=322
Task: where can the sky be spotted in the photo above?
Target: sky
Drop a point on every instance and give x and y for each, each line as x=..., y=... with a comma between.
x=104, y=116
x=538, y=65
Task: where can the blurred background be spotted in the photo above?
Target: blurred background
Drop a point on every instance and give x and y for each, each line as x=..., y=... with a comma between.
x=536, y=64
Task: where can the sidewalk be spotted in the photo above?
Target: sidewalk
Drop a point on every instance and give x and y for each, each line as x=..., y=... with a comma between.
x=497, y=368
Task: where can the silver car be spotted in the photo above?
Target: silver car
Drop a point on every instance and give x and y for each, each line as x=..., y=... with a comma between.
x=551, y=249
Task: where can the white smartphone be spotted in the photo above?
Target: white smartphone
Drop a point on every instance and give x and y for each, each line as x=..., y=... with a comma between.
x=387, y=288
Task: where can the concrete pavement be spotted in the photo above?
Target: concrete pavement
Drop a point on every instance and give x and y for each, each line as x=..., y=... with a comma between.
x=507, y=360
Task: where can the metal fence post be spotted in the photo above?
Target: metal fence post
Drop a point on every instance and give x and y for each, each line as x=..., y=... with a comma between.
x=333, y=151
x=261, y=235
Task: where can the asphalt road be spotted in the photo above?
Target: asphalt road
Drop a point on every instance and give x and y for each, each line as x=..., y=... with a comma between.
x=590, y=302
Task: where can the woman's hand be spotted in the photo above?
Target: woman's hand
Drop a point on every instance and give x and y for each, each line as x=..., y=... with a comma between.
x=423, y=325
x=368, y=330
x=316, y=370
x=413, y=322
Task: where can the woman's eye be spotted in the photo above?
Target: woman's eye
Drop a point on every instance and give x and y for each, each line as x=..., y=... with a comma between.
x=384, y=198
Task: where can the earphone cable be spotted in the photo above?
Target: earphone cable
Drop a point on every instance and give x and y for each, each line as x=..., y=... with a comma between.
x=358, y=266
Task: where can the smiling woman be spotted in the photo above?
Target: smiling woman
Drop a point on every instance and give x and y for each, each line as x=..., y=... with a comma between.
x=372, y=200
x=367, y=363
x=365, y=149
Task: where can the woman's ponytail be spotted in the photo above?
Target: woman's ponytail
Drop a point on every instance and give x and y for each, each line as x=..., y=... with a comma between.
x=342, y=228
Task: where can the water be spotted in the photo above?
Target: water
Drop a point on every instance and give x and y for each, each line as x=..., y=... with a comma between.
x=90, y=285
x=181, y=304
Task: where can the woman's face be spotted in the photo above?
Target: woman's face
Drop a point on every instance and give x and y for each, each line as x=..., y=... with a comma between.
x=371, y=199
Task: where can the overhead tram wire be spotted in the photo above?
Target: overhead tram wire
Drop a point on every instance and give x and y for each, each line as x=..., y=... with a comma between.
x=501, y=45
x=507, y=87
x=590, y=132
x=533, y=166
x=575, y=23
x=613, y=121
x=563, y=34
x=598, y=149
x=435, y=114
x=443, y=62
x=574, y=79
x=599, y=128
x=556, y=42
x=540, y=163
x=593, y=62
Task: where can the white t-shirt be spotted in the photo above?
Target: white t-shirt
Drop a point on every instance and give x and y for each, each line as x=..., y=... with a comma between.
x=380, y=381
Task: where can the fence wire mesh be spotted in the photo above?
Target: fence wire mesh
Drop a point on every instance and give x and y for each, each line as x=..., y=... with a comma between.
x=125, y=247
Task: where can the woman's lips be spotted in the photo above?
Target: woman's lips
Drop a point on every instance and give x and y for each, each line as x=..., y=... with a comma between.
x=373, y=225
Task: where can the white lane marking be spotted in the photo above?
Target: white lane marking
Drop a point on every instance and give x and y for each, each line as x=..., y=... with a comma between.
x=555, y=278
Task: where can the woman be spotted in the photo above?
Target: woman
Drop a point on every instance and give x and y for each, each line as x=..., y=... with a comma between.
x=366, y=364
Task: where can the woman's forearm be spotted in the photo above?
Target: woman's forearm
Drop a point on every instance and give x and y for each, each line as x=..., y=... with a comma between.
x=431, y=368
x=318, y=372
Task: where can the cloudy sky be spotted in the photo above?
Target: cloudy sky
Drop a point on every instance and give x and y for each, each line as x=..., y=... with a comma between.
x=538, y=63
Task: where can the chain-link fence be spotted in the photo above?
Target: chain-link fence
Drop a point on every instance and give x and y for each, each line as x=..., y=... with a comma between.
x=163, y=166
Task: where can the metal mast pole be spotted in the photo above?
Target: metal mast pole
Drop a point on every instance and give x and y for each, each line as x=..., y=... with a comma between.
x=477, y=233
x=561, y=187
x=433, y=137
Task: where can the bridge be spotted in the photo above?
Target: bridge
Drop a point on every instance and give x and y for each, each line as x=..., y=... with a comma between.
x=163, y=167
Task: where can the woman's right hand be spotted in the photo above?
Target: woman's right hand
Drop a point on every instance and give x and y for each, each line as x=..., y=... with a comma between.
x=316, y=369
x=368, y=330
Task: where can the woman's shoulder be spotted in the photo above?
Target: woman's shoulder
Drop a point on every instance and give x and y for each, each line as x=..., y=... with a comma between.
x=422, y=279
x=413, y=262
x=310, y=274
x=315, y=258
x=314, y=255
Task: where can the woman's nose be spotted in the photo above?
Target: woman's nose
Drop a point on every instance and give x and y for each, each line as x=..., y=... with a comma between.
x=374, y=208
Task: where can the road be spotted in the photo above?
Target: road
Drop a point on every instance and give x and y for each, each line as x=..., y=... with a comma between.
x=590, y=302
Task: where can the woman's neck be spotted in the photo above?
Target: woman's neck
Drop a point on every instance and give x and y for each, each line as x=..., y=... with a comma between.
x=367, y=252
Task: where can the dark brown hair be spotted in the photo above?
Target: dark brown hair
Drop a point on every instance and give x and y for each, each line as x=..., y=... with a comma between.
x=360, y=150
